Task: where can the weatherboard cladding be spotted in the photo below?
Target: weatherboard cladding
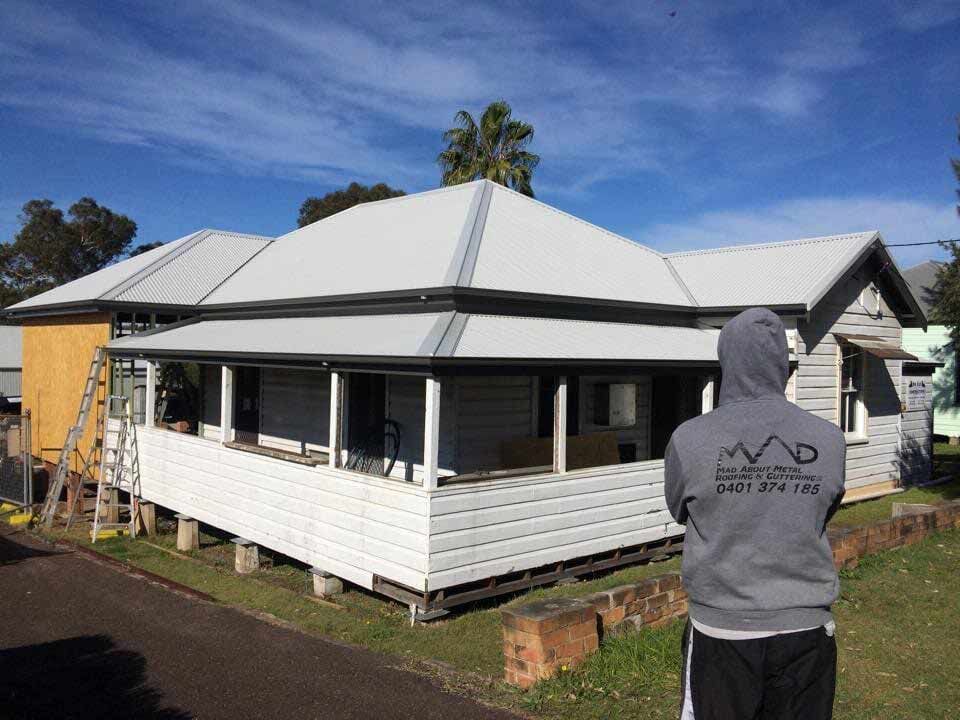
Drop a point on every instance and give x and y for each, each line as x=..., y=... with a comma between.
x=788, y=273
x=191, y=275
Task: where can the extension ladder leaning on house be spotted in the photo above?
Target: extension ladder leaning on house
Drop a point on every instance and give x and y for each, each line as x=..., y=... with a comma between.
x=74, y=434
x=119, y=465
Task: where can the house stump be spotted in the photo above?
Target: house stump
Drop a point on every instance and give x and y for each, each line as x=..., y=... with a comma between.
x=325, y=584
x=248, y=556
x=147, y=518
x=188, y=533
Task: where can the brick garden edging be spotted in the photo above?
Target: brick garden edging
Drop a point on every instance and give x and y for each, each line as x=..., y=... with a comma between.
x=544, y=636
x=912, y=526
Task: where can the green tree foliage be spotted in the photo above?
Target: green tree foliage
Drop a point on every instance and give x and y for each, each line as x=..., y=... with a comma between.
x=145, y=247
x=946, y=293
x=51, y=249
x=495, y=149
x=317, y=208
x=956, y=167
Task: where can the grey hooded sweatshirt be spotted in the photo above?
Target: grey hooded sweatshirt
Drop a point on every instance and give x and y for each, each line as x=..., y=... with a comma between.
x=755, y=481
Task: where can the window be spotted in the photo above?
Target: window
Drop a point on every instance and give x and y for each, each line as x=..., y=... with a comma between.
x=851, y=390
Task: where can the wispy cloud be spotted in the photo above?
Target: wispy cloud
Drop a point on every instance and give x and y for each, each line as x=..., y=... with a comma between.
x=899, y=221
x=363, y=90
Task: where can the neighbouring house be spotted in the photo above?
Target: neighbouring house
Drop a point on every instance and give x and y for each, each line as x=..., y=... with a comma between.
x=463, y=392
x=934, y=342
x=11, y=355
x=62, y=328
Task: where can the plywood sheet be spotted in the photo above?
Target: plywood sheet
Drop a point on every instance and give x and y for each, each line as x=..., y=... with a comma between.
x=57, y=352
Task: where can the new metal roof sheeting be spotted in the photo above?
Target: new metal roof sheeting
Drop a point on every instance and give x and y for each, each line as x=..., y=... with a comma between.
x=497, y=336
x=531, y=247
x=478, y=234
x=95, y=285
x=181, y=272
x=361, y=335
x=397, y=244
x=426, y=335
x=189, y=276
x=789, y=273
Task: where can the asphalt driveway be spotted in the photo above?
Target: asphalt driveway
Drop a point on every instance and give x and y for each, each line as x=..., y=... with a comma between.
x=79, y=639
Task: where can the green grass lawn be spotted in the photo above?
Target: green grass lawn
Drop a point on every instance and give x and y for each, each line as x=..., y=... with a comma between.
x=897, y=623
x=897, y=633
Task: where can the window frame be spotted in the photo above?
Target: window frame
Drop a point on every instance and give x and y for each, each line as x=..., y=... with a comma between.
x=860, y=431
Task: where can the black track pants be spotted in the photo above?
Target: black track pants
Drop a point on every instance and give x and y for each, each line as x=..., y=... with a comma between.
x=783, y=677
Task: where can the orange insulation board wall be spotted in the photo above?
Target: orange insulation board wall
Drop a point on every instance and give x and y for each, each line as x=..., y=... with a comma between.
x=57, y=352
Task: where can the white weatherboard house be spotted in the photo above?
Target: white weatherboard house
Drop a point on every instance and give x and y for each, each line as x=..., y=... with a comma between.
x=935, y=342
x=463, y=392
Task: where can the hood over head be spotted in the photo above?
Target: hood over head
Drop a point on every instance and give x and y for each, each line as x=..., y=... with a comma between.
x=753, y=356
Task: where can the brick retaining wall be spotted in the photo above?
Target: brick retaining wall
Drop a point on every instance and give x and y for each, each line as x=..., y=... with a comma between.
x=542, y=637
x=916, y=522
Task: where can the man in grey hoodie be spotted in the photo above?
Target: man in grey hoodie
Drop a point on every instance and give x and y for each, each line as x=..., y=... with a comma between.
x=755, y=482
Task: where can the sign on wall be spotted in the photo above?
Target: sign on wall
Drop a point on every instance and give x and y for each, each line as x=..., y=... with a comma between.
x=918, y=394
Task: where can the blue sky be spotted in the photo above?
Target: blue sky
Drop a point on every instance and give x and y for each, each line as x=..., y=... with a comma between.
x=677, y=124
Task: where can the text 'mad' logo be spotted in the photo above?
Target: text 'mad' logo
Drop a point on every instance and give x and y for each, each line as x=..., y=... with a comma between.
x=798, y=455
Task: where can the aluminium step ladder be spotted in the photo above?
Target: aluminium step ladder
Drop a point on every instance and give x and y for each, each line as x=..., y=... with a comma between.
x=74, y=434
x=119, y=470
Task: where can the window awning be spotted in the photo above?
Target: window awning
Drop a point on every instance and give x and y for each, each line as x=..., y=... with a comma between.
x=876, y=346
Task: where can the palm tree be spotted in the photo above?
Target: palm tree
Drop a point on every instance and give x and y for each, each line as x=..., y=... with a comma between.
x=494, y=149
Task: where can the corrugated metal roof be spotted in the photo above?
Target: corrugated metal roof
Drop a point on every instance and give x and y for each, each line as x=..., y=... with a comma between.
x=431, y=335
x=95, y=285
x=397, y=244
x=189, y=276
x=478, y=234
x=180, y=272
x=788, y=273
x=411, y=335
x=11, y=346
x=534, y=248
x=496, y=336
x=922, y=279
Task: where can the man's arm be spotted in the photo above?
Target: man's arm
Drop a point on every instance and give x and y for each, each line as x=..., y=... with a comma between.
x=674, y=484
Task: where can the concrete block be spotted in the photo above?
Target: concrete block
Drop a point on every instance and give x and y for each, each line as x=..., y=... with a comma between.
x=248, y=556
x=325, y=584
x=147, y=518
x=188, y=533
x=905, y=509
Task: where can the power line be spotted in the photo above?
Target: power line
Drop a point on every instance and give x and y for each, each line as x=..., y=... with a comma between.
x=931, y=242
